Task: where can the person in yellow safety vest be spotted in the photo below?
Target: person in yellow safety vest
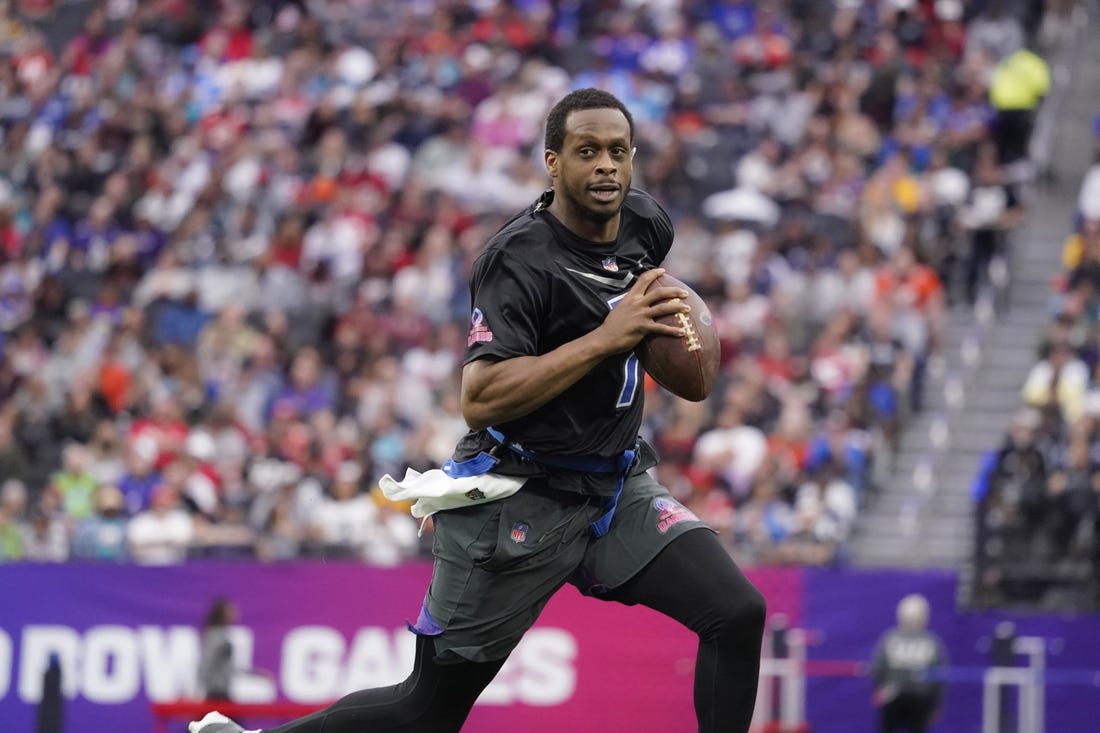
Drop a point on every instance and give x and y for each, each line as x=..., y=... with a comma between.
x=1019, y=84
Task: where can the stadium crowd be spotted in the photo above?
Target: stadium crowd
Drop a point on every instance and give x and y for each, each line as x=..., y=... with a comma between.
x=1038, y=528
x=235, y=237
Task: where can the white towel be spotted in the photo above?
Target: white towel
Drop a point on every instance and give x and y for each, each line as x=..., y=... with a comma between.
x=435, y=491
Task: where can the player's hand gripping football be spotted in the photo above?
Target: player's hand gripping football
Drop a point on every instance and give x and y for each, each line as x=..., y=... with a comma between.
x=635, y=316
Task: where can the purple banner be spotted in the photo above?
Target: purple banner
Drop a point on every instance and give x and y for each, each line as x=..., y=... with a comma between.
x=127, y=636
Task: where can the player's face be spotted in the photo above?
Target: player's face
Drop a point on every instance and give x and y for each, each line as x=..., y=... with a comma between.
x=592, y=171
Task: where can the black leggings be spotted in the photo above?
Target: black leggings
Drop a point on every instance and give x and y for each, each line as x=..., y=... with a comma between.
x=693, y=580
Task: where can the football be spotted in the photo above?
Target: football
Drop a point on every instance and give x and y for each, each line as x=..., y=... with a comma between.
x=686, y=366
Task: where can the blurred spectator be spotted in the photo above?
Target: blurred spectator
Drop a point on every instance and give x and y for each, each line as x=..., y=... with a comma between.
x=161, y=534
x=889, y=372
x=732, y=452
x=995, y=33
x=850, y=286
x=1058, y=381
x=1083, y=245
x=1073, y=490
x=310, y=388
x=105, y=464
x=45, y=534
x=763, y=521
x=13, y=462
x=914, y=292
x=992, y=209
x=13, y=507
x=162, y=430
x=282, y=533
x=199, y=478
x=1088, y=198
x=102, y=536
x=1012, y=505
x=841, y=452
x=350, y=523
x=140, y=476
x=73, y=482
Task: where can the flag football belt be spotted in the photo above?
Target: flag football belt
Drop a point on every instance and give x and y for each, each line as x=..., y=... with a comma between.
x=617, y=466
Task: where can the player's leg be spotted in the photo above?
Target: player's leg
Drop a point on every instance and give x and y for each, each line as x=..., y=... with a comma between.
x=658, y=553
x=435, y=698
x=694, y=581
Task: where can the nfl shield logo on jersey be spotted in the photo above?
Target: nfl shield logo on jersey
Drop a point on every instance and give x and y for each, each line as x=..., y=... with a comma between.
x=519, y=532
x=610, y=264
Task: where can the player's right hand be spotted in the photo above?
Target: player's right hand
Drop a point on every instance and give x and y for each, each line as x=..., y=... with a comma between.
x=637, y=314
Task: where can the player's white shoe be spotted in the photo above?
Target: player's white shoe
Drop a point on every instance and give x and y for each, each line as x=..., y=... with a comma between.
x=215, y=722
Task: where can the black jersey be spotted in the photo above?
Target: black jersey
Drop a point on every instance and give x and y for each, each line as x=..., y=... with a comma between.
x=537, y=286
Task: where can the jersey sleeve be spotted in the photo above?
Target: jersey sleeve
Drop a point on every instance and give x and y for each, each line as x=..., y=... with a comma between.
x=507, y=309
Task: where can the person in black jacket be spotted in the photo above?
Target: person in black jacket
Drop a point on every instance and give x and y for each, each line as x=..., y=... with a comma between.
x=907, y=670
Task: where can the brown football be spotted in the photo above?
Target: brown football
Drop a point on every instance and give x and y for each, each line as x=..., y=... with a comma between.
x=687, y=366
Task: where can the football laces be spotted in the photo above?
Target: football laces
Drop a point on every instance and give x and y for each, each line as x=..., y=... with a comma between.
x=691, y=336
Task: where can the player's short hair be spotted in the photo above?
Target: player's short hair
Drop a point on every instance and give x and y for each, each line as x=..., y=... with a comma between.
x=588, y=98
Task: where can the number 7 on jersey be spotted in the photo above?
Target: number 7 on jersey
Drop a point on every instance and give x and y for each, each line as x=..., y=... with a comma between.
x=631, y=369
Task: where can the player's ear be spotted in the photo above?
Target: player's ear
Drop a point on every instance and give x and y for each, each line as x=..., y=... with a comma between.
x=550, y=157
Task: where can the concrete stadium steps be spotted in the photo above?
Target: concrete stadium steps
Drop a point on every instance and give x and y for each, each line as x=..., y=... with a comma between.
x=921, y=514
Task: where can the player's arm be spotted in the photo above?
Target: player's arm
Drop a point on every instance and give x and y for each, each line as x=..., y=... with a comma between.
x=495, y=392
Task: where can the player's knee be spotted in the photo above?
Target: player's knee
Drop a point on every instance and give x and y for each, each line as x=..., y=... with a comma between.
x=738, y=616
x=753, y=613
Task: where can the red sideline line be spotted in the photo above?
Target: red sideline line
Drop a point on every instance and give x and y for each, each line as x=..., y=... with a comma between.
x=195, y=709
